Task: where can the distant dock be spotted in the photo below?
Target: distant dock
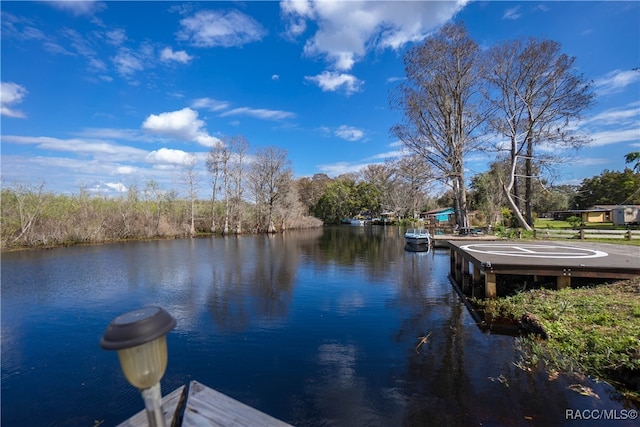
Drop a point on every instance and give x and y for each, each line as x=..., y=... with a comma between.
x=440, y=240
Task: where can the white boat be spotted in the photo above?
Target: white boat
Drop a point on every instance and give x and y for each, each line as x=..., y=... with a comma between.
x=417, y=236
x=356, y=221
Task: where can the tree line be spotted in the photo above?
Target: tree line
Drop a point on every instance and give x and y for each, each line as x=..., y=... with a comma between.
x=32, y=216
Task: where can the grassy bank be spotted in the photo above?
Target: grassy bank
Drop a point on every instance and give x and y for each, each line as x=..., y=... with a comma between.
x=591, y=330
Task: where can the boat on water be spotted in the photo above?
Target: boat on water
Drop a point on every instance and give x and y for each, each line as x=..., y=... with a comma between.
x=358, y=222
x=417, y=237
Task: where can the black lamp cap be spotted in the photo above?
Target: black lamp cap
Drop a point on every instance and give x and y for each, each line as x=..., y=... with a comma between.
x=137, y=327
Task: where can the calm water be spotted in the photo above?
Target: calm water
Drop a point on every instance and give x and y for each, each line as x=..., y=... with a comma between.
x=318, y=328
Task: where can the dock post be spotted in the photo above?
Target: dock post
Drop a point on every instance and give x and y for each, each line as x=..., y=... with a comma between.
x=466, y=281
x=489, y=285
x=563, y=282
x=458, y=267
x=476, y=279
x=452, y=262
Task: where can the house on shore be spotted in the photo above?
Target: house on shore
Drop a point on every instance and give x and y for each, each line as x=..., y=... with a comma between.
x=441, y=217
x=616, y=214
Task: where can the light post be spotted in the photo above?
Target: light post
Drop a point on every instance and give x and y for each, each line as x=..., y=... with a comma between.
x=140, y=337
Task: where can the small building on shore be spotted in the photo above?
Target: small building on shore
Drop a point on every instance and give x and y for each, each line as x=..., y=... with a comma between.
x=439, y=217
x=625, y=215
x=616, y=214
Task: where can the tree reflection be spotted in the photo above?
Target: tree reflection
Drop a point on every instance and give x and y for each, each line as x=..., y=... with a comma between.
x=253, y=278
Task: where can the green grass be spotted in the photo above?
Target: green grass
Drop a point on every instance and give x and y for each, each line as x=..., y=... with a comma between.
x=594, y=330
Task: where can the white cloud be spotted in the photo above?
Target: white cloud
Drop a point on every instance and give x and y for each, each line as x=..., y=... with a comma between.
x=56, y=49
x=82, y=45
x=79, y=146
x=330, y=81
x=168, y=54
x=210, y=28
x=259, y=113
x=112, y=133
x=117, y=186
x=97, y=65
x=116, y=37
x=10, y=94
x=78, y=7
x=394, y=154
x=126, y=170
x=183, y=125
x=346, y=30
x=629, y=115
x=591, y=161
x=19, y=27
x=210, y=104
x=339, y=168
x=616, y=81
x=349, y=133
x=512, y=13
x=168, y=156
x=395, y=79
x=127, y=62
x=614, y=136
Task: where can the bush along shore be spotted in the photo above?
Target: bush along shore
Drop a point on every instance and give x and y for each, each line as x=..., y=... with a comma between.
x=34, y=218
x=592, y=330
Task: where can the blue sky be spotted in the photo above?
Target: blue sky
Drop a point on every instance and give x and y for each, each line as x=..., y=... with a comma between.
x=105, y=95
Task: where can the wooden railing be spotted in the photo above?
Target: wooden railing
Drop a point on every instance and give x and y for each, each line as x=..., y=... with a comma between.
x=585, y=233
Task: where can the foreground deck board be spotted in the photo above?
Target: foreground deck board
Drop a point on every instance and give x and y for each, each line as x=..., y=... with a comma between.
x=207, y=407
x=171, y=406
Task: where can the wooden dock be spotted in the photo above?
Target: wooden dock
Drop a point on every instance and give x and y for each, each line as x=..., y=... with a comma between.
x=205, y=407
x=476, y=263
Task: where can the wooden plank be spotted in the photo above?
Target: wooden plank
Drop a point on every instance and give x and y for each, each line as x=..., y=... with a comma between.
x=207, y=407
x=171, y=407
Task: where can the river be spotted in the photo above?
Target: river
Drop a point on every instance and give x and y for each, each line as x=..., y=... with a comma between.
x=316, y=327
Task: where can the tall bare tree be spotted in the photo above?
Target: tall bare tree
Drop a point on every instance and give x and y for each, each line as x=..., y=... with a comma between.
x=538, y=96
x=190, y=179
x=239, y=147
x=216, y=163
x=219, y=166
x=443, y=106
x=270, y=180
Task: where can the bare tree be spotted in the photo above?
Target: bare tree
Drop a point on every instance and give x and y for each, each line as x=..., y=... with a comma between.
x=413, y=176
x=380, y=176
x=537, y=96
x=443, y=106
x=217, y=160
x=29, y=204
x=191, y=180
x=239, y=146
x=219, y=166
x=270, y=181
